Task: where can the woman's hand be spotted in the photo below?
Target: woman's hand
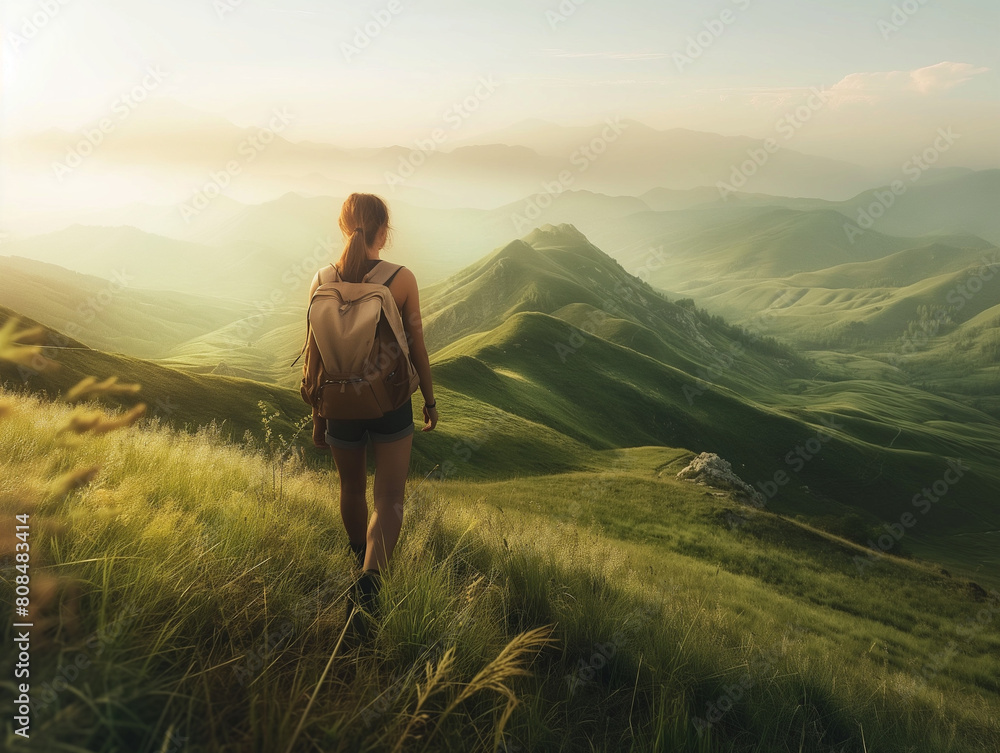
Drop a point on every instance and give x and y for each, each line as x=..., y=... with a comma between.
x=319, y=432
x=430, y=418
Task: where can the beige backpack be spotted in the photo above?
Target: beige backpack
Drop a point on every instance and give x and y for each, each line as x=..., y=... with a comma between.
x=357, y=361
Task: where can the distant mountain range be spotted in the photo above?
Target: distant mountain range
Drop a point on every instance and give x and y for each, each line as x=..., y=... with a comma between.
x=625, y=157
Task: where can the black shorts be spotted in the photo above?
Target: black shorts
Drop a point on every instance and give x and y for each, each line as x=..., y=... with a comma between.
x=351, y=433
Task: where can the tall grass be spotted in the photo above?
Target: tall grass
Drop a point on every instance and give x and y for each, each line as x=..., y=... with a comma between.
x=185, y=602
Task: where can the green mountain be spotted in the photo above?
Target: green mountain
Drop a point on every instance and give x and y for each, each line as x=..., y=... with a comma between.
x=701, y=246
x=557, y=271
x=111, y=315
x=932, y=311
x=553, y=330
x=546, y=351
x=946, y=203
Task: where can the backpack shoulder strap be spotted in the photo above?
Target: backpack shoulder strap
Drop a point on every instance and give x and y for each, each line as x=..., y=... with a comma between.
x=331, y=268
x=383, y=272
x=319, y=277
x=391, y=276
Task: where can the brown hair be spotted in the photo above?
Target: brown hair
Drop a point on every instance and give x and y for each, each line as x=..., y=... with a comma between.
x=361, y=218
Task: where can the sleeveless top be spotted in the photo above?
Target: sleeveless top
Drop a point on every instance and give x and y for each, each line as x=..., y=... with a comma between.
x=371, y=266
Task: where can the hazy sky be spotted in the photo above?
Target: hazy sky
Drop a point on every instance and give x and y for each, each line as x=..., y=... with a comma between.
x=571, y=62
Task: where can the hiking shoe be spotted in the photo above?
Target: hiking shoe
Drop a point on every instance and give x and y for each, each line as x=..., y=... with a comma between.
x=362, y=605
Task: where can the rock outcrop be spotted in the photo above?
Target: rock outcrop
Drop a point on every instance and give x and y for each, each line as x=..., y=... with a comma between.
x=711, y=470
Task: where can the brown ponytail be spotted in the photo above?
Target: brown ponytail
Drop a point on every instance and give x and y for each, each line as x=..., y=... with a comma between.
x=361, y=218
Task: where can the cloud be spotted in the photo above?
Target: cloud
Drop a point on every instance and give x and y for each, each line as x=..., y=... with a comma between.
x=867, y=88
x=933, y=79
x=943, y=76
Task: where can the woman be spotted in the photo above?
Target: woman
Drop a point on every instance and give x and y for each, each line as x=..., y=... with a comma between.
x=364, y=221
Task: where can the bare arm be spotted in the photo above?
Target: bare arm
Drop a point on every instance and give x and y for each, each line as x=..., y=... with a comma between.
x=413, y=325
x=319, y=423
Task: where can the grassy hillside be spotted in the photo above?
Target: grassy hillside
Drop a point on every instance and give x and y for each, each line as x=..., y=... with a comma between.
x=569, y=341
x=568, y=353
x=964, y=202
x=916, y=310
x=150, y=261
x=615, y=609
x=184, y=399
x=864, y=303
x=260, y=346
x=176, y=397
x=111, y=315
x=929, y=313
x=762, y=243
x=882, y=437
x=898, y=270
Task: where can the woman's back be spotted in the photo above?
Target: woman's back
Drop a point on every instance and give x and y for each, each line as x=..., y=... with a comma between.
x=398, y=291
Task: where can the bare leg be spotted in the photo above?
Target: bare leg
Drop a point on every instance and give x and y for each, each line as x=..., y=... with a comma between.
x=353, y=472
x=392, y=465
